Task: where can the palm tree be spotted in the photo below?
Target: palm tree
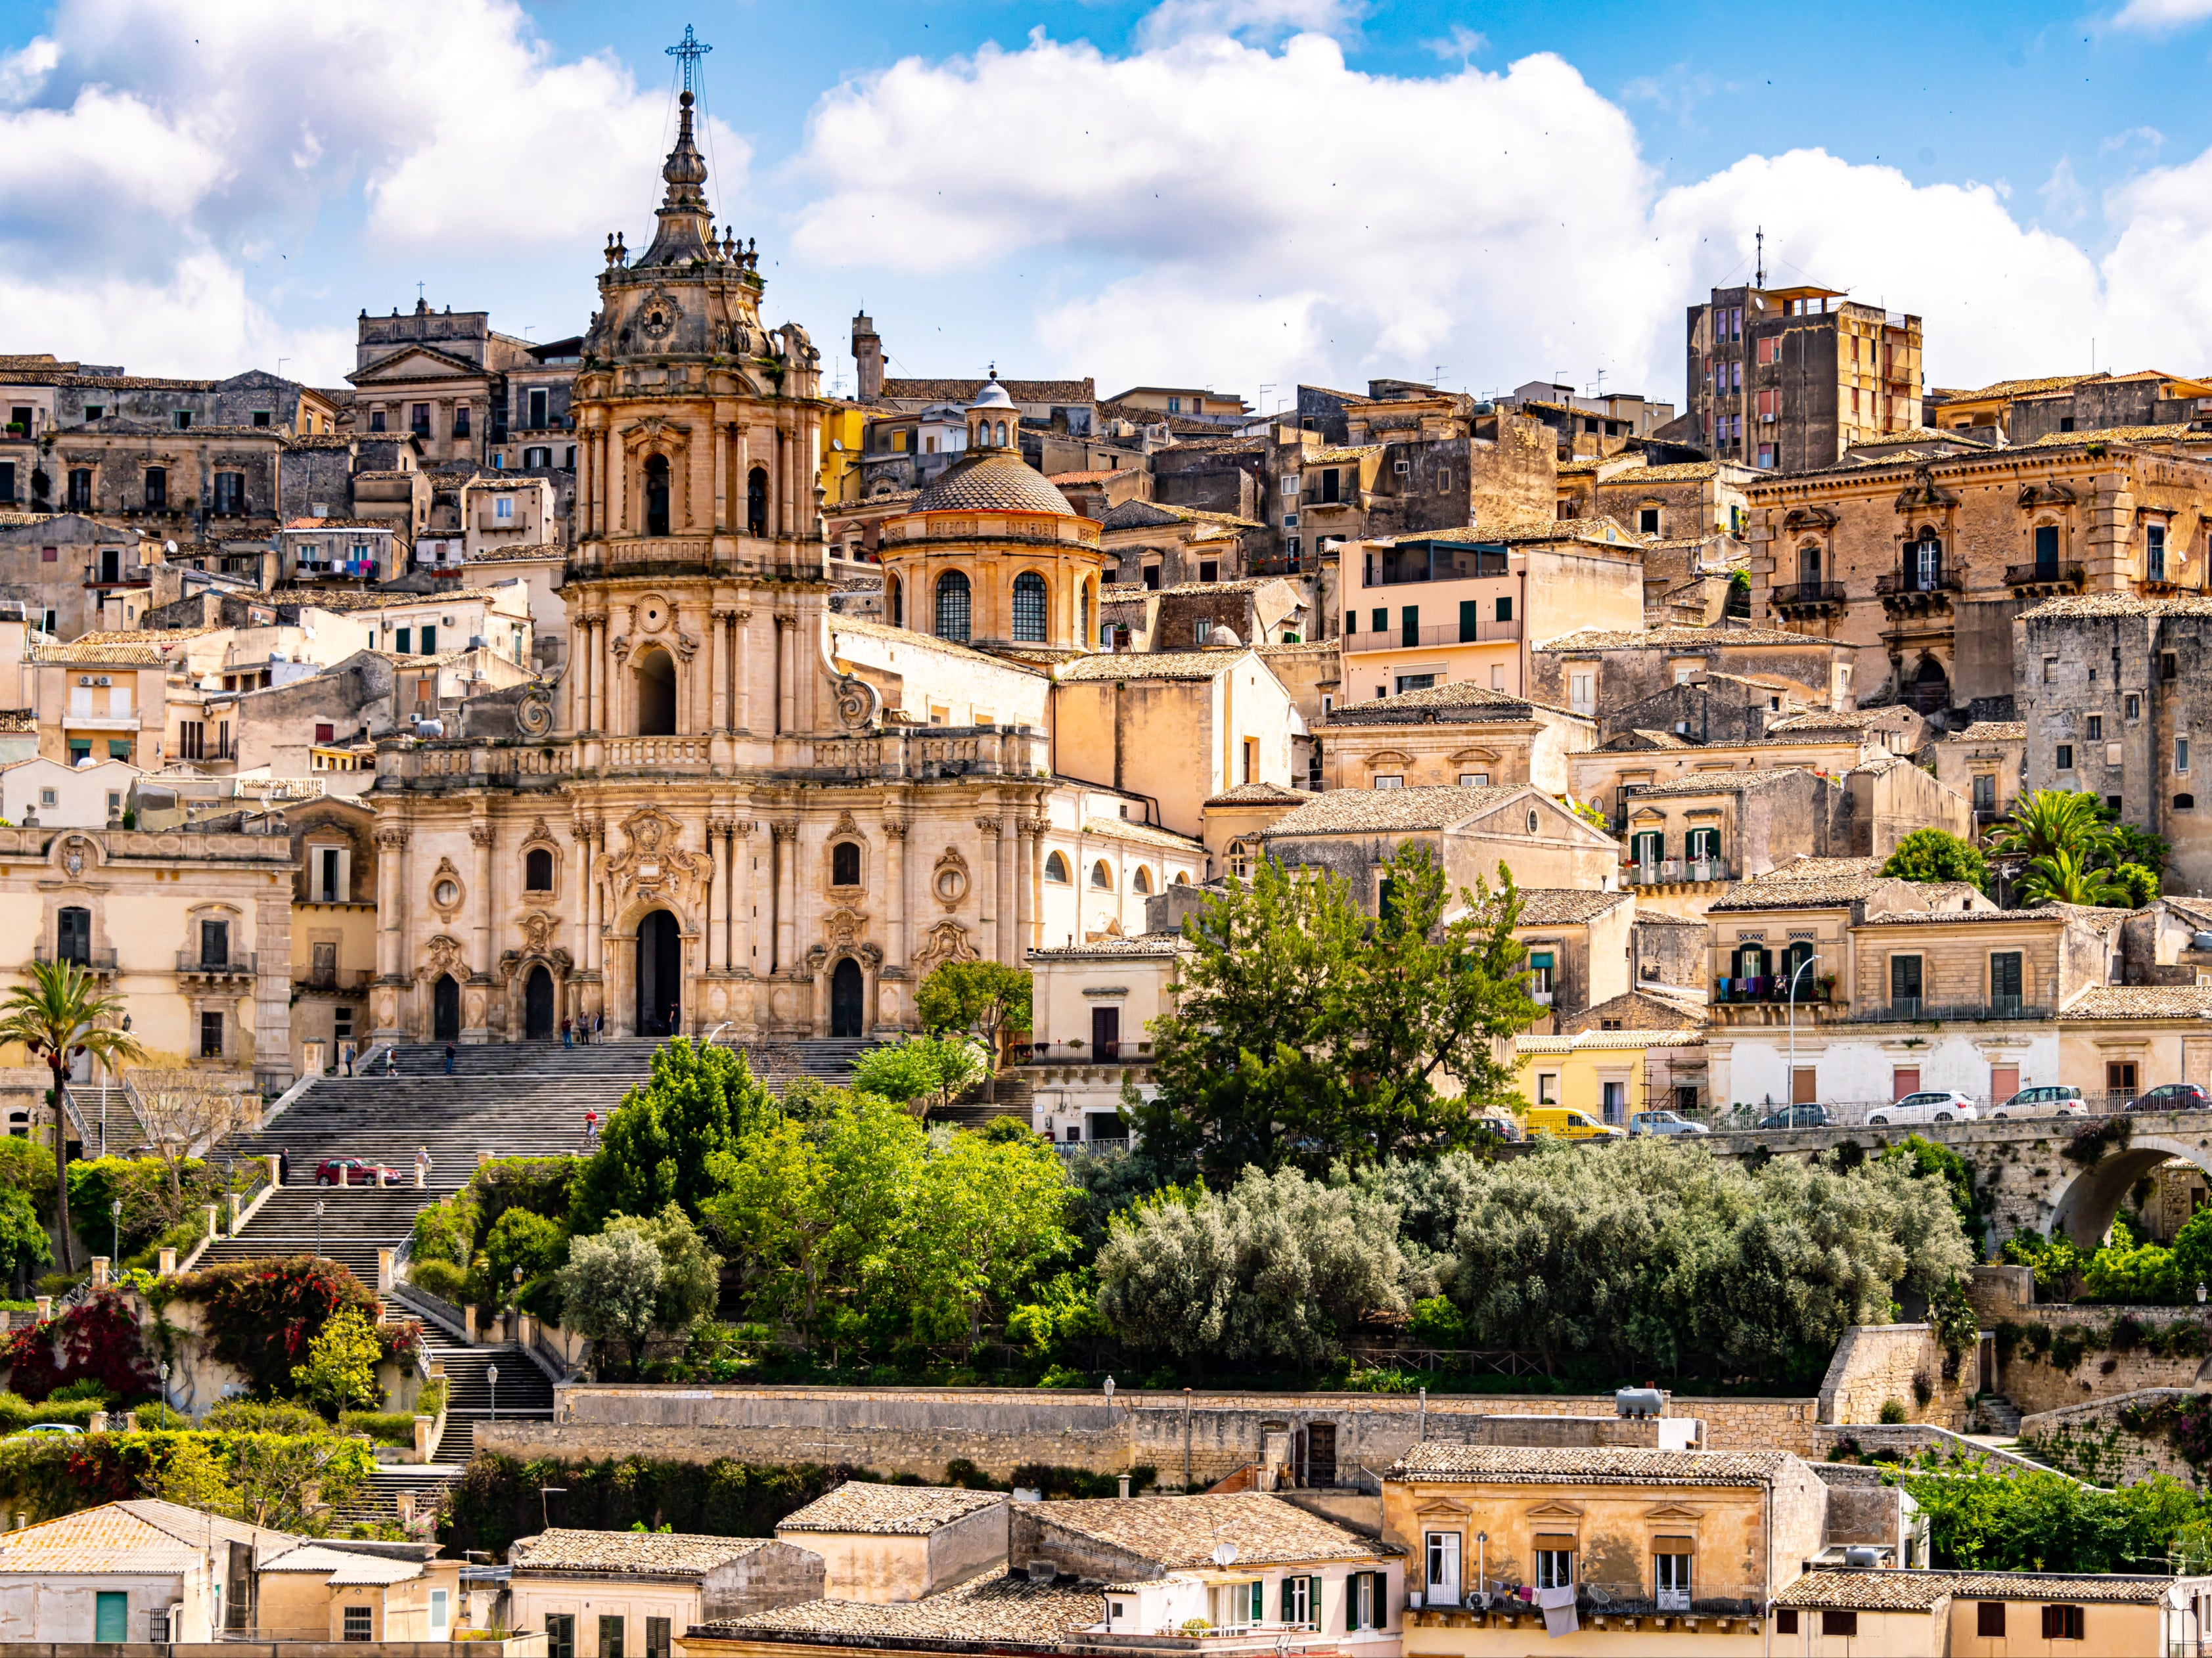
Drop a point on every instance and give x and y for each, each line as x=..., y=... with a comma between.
x=2054, y=821
x=59, y=1015
x=2069, y=877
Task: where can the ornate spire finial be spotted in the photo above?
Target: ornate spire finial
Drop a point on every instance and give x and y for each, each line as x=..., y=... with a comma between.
x=690, y=49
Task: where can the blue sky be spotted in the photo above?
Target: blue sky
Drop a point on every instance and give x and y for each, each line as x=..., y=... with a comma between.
x=1242, y=193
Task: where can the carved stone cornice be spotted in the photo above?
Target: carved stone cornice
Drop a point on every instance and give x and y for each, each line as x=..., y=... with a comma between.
x=895, y=830
x=988, y=825
x=785, y=829
x=1034, y=827
x=482, y=835
x=392, y=837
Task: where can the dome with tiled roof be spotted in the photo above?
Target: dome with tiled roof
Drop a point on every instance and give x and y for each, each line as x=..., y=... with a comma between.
x=992, y=481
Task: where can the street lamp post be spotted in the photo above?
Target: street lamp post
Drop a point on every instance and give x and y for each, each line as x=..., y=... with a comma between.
x=115, y=1217
x=318, y=1229
x=491, y=1375
x=1794, y=977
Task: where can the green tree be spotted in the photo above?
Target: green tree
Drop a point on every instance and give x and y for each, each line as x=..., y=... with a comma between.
x=659, y=1144
x=1306, y=1031
x=59, y=1015
x=989, y=1213
x=934, y=1070
x=194, y=1478
x=988, y=998
x=23, y=1246
x=1278, y=1266
x=2051, y=822
x=521, y=1239
x=690, y=1274
x=1933, y=854
x=340, y=1372
x=2044, y=1521
x=2138, y=884
x=27, y=1167
x=611, y=1289
x=287, y=1483
x=2068, y=877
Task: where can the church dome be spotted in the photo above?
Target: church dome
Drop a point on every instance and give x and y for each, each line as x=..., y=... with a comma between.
x=992, y=481
x=992, y=397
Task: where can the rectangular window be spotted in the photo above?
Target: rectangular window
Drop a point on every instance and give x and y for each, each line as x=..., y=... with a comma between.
x=406, y=636
x=1785, y=1620
x=2063, y=758
x=1470, y=620
x=1444, y=1566
x=537, y=408
x=429, y=640
x=2133, y=706
x=1990, y=1620
x=1647, y=520
x=1582, y=692
x=503, y=510
x=2046, y=569
x=656, y=1630
x=376, y=420
x=1301, y=1601
x=1474, y=780
x=2004, y=983
x=1905, y=985
x=2181, y=754
x=1555, y=1561
x=611, y=1636
x=440, y=1613
x=1379, y=622
x=215, y=943
x=1389, y=780
x=1506, y=607
x=230, y=494
x=1409, y=624
x=210, y=1036
x=1290, y=483
x=1835, y=1621
x=419, y=418
x=461, y=422
x=183, y=418
x=2154, y=550
x=359, y=1624
x=1547, y=1088
x=2062, y=1623
x=560, y=1635
x=1670, y=1572
x=2120, y=1078
x=1985, y=793
x=2096, y=728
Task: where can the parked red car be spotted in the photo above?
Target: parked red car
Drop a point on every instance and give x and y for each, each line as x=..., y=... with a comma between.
x=354, y=1171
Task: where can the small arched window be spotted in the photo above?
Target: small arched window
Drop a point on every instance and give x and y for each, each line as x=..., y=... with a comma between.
x=1808, y=562
x=1240, y=858
x=999, y=435
x=656, y=496
x=845, y=864
x=1083, y=615
x=1056, y=869
x=537, y=870
x=1532, y=820
x=1101, y=877
x=953, y=602
x=1143, y=882
x=756, y=502
x=2185, y=803
x=897, y=597
x=1182, y=878
x=1028, y=608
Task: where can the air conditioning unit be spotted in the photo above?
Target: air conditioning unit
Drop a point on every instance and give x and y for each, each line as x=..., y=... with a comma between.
x=102, y=679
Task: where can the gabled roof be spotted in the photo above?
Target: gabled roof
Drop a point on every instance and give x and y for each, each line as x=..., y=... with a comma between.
x=1153, y=665
x=1184, y=1530
x=641, y=1554
x=1892, y=1591
x=376, y=370
x=860, y=1505
x=140, y=1535
x=988, y=1613
x=1674, y=638
x=1805, y=883
x=1354, y=812
x=1504, y=1465
x=1456, y=699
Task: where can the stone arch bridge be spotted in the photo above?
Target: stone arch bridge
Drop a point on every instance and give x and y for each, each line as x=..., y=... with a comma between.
x=2021, y=1161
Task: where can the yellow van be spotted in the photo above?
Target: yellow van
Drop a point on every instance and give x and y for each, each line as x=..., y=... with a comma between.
x=1565, y=1122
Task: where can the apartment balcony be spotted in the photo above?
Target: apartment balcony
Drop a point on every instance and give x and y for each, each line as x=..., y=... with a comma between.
x=1428, y=638
x=337, y=981
x=1918, y=1010
x=2044, y=580
x=96, y=961
x=1808, y=599
x=195, y=967
x=1908, y=592
x=1677, y=872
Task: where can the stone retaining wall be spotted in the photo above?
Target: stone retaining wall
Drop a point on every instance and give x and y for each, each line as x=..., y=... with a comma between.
x=2035, y=1385
x=2091, y=1442
x=1879, y=1365
x=1194, y=1438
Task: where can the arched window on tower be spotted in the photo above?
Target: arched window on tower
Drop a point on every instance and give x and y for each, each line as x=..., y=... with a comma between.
x=656, y=494
x=845, y=864
x=1028, y=608
x=537, y=870
x=952, y=607
x=1083, y=615
x=1056, y=869
x=756, y=502
x=999, y=435
x=656, y=694
x=896, y=595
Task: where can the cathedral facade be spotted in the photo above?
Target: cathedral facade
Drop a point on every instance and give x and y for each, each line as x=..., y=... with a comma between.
x=734, y=806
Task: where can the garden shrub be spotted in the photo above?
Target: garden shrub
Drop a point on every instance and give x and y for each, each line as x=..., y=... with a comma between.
x=1893, y=1412
x=497, y=1500
x=263, y=1315
x=385, y=1427
x=439, y=1278
x=97, y=1339
x=276, y=1416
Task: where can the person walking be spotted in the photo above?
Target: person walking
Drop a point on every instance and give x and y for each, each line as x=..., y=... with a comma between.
x=564, y=1033
x=599, y=1025
x=422, y=1165
x=283, y=1167
x=449, y=1058
x=592, y=1128
x=349, y=1062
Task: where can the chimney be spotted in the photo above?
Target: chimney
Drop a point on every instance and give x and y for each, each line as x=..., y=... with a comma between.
x=868, y=357
x=1125, y=1488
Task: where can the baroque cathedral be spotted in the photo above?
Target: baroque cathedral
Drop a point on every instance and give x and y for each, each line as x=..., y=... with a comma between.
x=735, y=804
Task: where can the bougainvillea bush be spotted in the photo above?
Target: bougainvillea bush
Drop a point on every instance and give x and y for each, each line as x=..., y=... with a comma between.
x=262, y=1315
x=97, y=1339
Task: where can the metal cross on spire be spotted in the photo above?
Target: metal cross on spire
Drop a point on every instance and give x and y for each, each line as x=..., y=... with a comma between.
x=690, y=49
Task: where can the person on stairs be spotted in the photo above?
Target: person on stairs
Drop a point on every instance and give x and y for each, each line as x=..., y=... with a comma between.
x=422, y=1165
x=449, y=1058
x=564, y=1033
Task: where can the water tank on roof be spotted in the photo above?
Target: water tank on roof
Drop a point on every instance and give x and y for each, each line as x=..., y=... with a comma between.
x=1861, y=1559
x=2201, y=941
x=1639, y=1401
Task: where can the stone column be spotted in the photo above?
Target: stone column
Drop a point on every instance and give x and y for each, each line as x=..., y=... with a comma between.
x=894, y=891
x=761, y=897
x=720, y=667
x=786, y=895
x=1009, y=904
x=1033, y=830
x=481, y=836
x=742, y=623
x=721, y=476
x=719, y=831
x=990, y=882
x=392, y=851
x=787, y=707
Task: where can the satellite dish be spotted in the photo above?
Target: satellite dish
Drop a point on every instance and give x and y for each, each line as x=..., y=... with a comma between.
x=1225, y=1554
x=171, y=545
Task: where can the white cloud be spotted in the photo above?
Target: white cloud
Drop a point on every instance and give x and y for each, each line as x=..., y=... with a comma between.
x=1474, y=215
x=443, y=125
x=2162, y=14
x=1247, y=20
x=1462, y=43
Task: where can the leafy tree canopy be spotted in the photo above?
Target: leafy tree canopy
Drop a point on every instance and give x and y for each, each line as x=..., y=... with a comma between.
x=1308, y=1032
x=657, y=1146
x=1934, y=855
x=933, y=1071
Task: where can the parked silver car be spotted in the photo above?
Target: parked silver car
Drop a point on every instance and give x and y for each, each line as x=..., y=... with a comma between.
x=1932, y=1105
x=1664, y=1122
x=2054, y=1100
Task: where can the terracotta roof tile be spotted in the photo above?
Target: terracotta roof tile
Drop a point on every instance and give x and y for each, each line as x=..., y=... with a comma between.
x=1142, y=944
x=1710, y=782
x=1991, y=731
x=1584, y=1040
x=1804, y=882
x=1352, y=811
x=2140, y=1002
x=859, y=1505
x=1889, y=1590
x=1152, y=664
x=1184, y=1530
x=1007, y=1609
x=646, y=1554
x=960, y=391
x=1462, y=697
x=2097, y=605
x=1565, y=906
x=1437, y=1460
x=992, y=481
x=1672, y=638
x=1120, y=828
x=1258, y=794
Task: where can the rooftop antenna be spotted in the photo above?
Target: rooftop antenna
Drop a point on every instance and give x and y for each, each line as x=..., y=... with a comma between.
x=690, y=49
x=1759, y=275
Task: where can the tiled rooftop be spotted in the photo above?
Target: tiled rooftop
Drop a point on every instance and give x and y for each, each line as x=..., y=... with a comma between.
x=999, y=1609
x=1844, y=1588
x=1142, y=944
x=643, y=1554
x=1991, y=731
x=1435, y=1459
x=142, y=1536
x=1184, y=1530
x=1709, y=782
x=1152, y=664
x=2102, y=1002
x=1122, y=828
x=1674, y=638
x=1687, y=472
x=1464, y=697
x=1351, y=811
x=859, y=1505
x=2094, y=605
x=1257, y=794
x=992, y=481
x=1583, y=1040
x=1565, y=906
x=1806, y=880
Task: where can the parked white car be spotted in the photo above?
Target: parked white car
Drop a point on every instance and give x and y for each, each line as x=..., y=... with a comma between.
x=2053, y=1101
x=1937, y=1105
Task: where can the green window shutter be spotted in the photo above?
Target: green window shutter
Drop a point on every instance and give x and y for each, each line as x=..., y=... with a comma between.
x=1259, y=1601
x=1313, y=1601
x=1470, y=619
x=1287, y=1603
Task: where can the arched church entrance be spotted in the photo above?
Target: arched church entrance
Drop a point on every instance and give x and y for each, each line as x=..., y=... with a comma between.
x=537, y=1004
x=847, y=998
x=659, y=975
x=445, y=1009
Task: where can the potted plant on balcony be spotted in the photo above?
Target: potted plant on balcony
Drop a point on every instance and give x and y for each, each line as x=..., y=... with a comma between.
x=1826, y=982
